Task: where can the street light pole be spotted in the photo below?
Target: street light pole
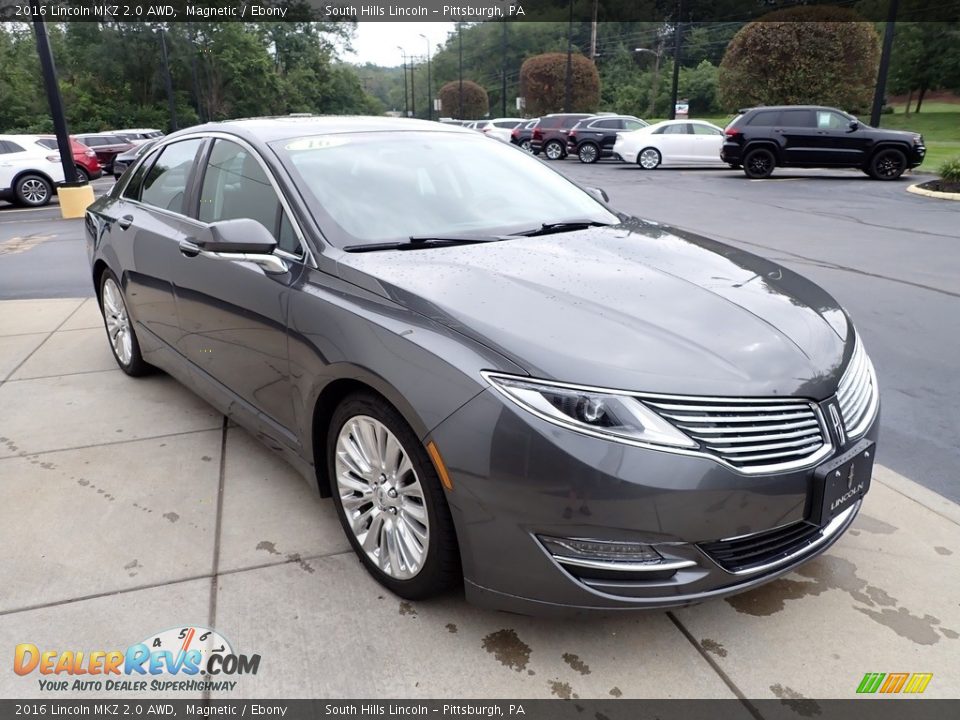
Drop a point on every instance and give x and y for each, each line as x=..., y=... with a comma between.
x=503, y=72
x=652, y=105
x=406, y=99
x=53, y=95
x=413, y=92
x=429, y=81
x=678, y=32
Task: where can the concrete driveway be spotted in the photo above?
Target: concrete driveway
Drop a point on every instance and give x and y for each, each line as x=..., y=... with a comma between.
x=130, y=506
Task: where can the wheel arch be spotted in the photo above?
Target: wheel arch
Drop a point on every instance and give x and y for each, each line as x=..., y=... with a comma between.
x=890, y=145
x=39, y=173
x=762, y=145
x=332, y=394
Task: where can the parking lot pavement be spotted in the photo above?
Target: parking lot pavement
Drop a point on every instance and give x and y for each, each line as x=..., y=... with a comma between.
x=128, y=506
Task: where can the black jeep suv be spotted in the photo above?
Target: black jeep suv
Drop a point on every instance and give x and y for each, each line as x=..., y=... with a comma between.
x=762, y=138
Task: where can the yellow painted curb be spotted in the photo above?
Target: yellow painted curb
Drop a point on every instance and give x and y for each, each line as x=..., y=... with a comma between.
x=74, y=200
x=917, y=190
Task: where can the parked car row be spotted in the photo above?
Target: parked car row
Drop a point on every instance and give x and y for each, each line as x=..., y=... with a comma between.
x=30, y=167
x=758, y=140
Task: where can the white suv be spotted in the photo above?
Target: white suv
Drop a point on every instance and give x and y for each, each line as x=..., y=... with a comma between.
x=28, y=171
x=499, y=128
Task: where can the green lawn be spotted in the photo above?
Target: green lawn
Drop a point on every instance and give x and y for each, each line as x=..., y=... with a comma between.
x=938, y=122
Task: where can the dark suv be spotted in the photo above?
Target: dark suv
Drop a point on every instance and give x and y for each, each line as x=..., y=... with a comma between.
x=550, y=134
x=762, y=138
x=593, y=138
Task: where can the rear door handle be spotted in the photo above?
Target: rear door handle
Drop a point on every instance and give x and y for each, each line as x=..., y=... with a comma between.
x=125, y=222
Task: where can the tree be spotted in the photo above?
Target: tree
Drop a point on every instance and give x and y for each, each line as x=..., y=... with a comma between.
x=475, y=101
x=543, y=83
x=815, y=55
x=926, y=56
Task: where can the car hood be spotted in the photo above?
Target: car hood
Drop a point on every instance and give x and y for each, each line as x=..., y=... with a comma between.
x=636, y=306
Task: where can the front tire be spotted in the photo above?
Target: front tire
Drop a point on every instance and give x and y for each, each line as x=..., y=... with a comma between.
x=33, y=190
x=82, y=174
x=120, y=333
x=553, y=150
x=649, y=159
x=389, y=499
x=887, y=164
x=525, y=145
x=588, y=153
x=759, y=164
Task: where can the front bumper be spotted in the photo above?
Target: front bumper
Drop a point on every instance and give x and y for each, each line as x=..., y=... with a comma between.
x=517, y=477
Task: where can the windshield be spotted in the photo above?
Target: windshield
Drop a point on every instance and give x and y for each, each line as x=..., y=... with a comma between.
x=381, y=187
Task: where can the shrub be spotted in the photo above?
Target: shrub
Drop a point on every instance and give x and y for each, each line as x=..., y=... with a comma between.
x=475, y=101
x=804, y=55
x=950, y=170
x=543, y=83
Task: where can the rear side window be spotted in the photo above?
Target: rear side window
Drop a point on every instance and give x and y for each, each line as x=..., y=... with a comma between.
x=631, y=124
x=608, y=124
x=8, y=146
x=764, y=118
x=165, y=184
x=551, y=122
x=48, y=143
x=677, y=129
x=699, y=129
x=797, y=118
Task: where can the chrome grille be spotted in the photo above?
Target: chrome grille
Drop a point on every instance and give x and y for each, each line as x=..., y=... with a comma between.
x=857, y=393
x=755, y=435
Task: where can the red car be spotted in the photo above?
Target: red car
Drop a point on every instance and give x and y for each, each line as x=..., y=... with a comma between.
x=88, y=166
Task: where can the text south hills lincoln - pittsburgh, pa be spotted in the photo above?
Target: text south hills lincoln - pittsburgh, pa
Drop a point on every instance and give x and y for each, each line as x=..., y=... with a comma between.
x=480, y=11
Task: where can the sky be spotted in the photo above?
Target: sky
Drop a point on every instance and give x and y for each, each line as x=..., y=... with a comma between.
x=377, y=42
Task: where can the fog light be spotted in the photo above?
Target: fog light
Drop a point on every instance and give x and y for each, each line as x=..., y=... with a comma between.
x=600, y=551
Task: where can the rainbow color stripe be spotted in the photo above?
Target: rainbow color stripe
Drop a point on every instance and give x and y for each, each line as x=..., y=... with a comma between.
x=894, y=683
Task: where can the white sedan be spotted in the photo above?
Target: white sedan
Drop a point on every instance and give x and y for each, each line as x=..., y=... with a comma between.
x=671, y=142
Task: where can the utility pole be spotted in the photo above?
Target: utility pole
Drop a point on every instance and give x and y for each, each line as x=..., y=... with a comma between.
x=678, y=33
x=167, y=80
x=406, y=99
x=413, y=92
x=53, y=95
x=503, y=71
x=429, y=81
x=593, y=32
x=568, y=78
x=460, y=36
x=881, y=89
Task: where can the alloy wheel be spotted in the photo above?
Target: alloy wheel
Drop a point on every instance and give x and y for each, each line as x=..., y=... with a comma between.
x=525, y=145
x=649, y=159
x=889, y=165
x=553, y=150
x=34, y=191
x=760, y=164
x=588, y=153
x=118, y=322
x=382, y=497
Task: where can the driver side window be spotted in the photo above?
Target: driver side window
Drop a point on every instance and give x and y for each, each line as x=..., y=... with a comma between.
x=236, y=186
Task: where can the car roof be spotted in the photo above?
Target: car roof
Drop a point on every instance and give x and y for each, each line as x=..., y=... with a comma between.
x=268, y=129
x=787, y=107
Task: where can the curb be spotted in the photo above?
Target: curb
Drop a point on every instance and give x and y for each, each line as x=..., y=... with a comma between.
x=932, y=501
x=917, y=190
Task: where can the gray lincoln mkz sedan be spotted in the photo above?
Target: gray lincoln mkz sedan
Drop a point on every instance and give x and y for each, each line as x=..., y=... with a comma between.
x=500, y=380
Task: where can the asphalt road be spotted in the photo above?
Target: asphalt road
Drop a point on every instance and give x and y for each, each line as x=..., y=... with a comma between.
x=891, y=258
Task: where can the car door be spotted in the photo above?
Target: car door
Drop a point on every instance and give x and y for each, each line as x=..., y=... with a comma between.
x=801, y=143
x=146, y=223
x=233, y=313
x=841, y=144
x=706, y=144
x=675, y=143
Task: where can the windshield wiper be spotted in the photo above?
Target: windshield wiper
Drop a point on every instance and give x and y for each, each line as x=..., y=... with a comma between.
x=418, y=243
x=560, y=227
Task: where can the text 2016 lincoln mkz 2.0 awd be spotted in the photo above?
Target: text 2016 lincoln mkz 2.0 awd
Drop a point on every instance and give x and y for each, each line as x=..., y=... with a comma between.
x=555, y=404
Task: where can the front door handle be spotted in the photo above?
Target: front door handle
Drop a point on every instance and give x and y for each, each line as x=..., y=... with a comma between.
x=125, y=222
x=189, y=248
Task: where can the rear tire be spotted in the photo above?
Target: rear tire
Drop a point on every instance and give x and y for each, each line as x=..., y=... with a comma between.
x=381, y=474
x=119, y=326
x=649, y=159
x=588, y=153
x=759, y=164
x=554, y=150
x=32, y=190
x=82, y=174
x=525, y=145
x=887, y=164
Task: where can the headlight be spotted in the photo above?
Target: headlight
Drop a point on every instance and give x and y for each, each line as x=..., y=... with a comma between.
x=601, y=413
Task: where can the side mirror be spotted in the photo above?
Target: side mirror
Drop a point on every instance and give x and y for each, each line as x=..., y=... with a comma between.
x=854, y=125
x=598, y=194
x=238, y=236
